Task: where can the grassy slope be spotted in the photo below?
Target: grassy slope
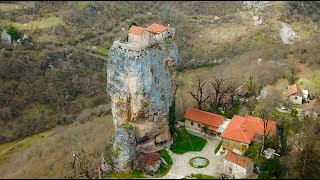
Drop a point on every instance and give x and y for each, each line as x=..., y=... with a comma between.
x=9, y=7
x=51, y=152
x=38, y=24
x=10, y=148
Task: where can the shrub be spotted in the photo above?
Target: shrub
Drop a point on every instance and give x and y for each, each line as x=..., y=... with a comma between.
x=102, y=109
x=12, y=32
x=294, y=112
x=253, y=152
x=218, y=147
x=231, y=112
x=172, y=118
x=84, y=116
x=272, y=166
x=264, y=175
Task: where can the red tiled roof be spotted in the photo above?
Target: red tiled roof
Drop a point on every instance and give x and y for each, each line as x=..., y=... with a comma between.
x=156, y=28
x=313, y=105
x=151, y=159
x=237, y=159
x=293, y=89
x=244, y=89
x=243, y=129
x=136, y=30
x=204, y=117
x=213, y=128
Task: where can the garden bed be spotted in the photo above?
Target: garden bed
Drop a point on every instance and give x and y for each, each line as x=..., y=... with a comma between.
x=199, y=162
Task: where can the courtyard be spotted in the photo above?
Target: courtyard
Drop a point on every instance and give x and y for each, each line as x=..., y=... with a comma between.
x=181, y=166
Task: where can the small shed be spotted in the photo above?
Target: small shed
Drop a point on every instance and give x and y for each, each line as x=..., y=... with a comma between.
x=237, y=165
x=269, y=153
x=150, y=162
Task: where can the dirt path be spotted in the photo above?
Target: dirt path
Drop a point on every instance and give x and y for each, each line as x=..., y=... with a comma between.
x=9, y=148
x=30, y=138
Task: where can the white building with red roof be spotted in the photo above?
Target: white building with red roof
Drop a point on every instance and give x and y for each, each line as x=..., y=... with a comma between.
x=312, y=108
x=294, y=93
x=147, y=36
x=196, y=119
x=242, y=131
x=237, y=166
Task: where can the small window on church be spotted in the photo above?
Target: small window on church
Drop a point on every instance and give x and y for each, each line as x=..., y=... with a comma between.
x=198, y=125
x=191, y=123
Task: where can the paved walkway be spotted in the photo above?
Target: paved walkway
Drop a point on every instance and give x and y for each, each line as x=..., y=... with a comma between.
x=182, y=168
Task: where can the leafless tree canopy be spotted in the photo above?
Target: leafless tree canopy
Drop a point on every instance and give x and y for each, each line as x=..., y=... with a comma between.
x=200, y=93
x=220, y=85
x=303, y=161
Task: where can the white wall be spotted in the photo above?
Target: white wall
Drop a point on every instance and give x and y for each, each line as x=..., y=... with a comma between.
x=237, y=171
x=194, y=127
x=296, y=99
x=310, y=114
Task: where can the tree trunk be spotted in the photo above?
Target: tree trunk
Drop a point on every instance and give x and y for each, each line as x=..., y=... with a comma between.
x=200, y=105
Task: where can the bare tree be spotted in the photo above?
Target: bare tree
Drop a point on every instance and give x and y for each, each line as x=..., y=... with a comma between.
x=220, y=85
x=265, y=110
x=81, y=165
x=224, y=176
x=303, y=160
x=201, y=94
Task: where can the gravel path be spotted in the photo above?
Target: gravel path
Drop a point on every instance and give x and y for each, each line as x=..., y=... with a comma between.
x=182, y=168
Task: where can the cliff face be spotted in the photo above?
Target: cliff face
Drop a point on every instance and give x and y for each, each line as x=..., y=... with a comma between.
x=142, y=85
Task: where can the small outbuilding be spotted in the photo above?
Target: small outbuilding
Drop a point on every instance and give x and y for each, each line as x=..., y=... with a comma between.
x=150, y=162
x=269, y=153
x=237, y=166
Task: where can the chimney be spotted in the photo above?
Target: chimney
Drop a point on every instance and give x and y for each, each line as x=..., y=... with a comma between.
x=168, y=25
x=243, y=129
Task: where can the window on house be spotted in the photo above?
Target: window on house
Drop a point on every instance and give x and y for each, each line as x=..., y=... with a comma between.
x=198, y=125
x=191, y=123
x=295, y=98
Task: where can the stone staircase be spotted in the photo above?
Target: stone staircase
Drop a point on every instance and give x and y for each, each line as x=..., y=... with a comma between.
x=169, y=152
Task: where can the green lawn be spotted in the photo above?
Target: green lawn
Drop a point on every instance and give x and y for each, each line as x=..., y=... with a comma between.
x=186, y=142
x=218, y=147
x=198, y=176
x=131, y=175
x=102, y=50
x=163, y=153
x=163, y=170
